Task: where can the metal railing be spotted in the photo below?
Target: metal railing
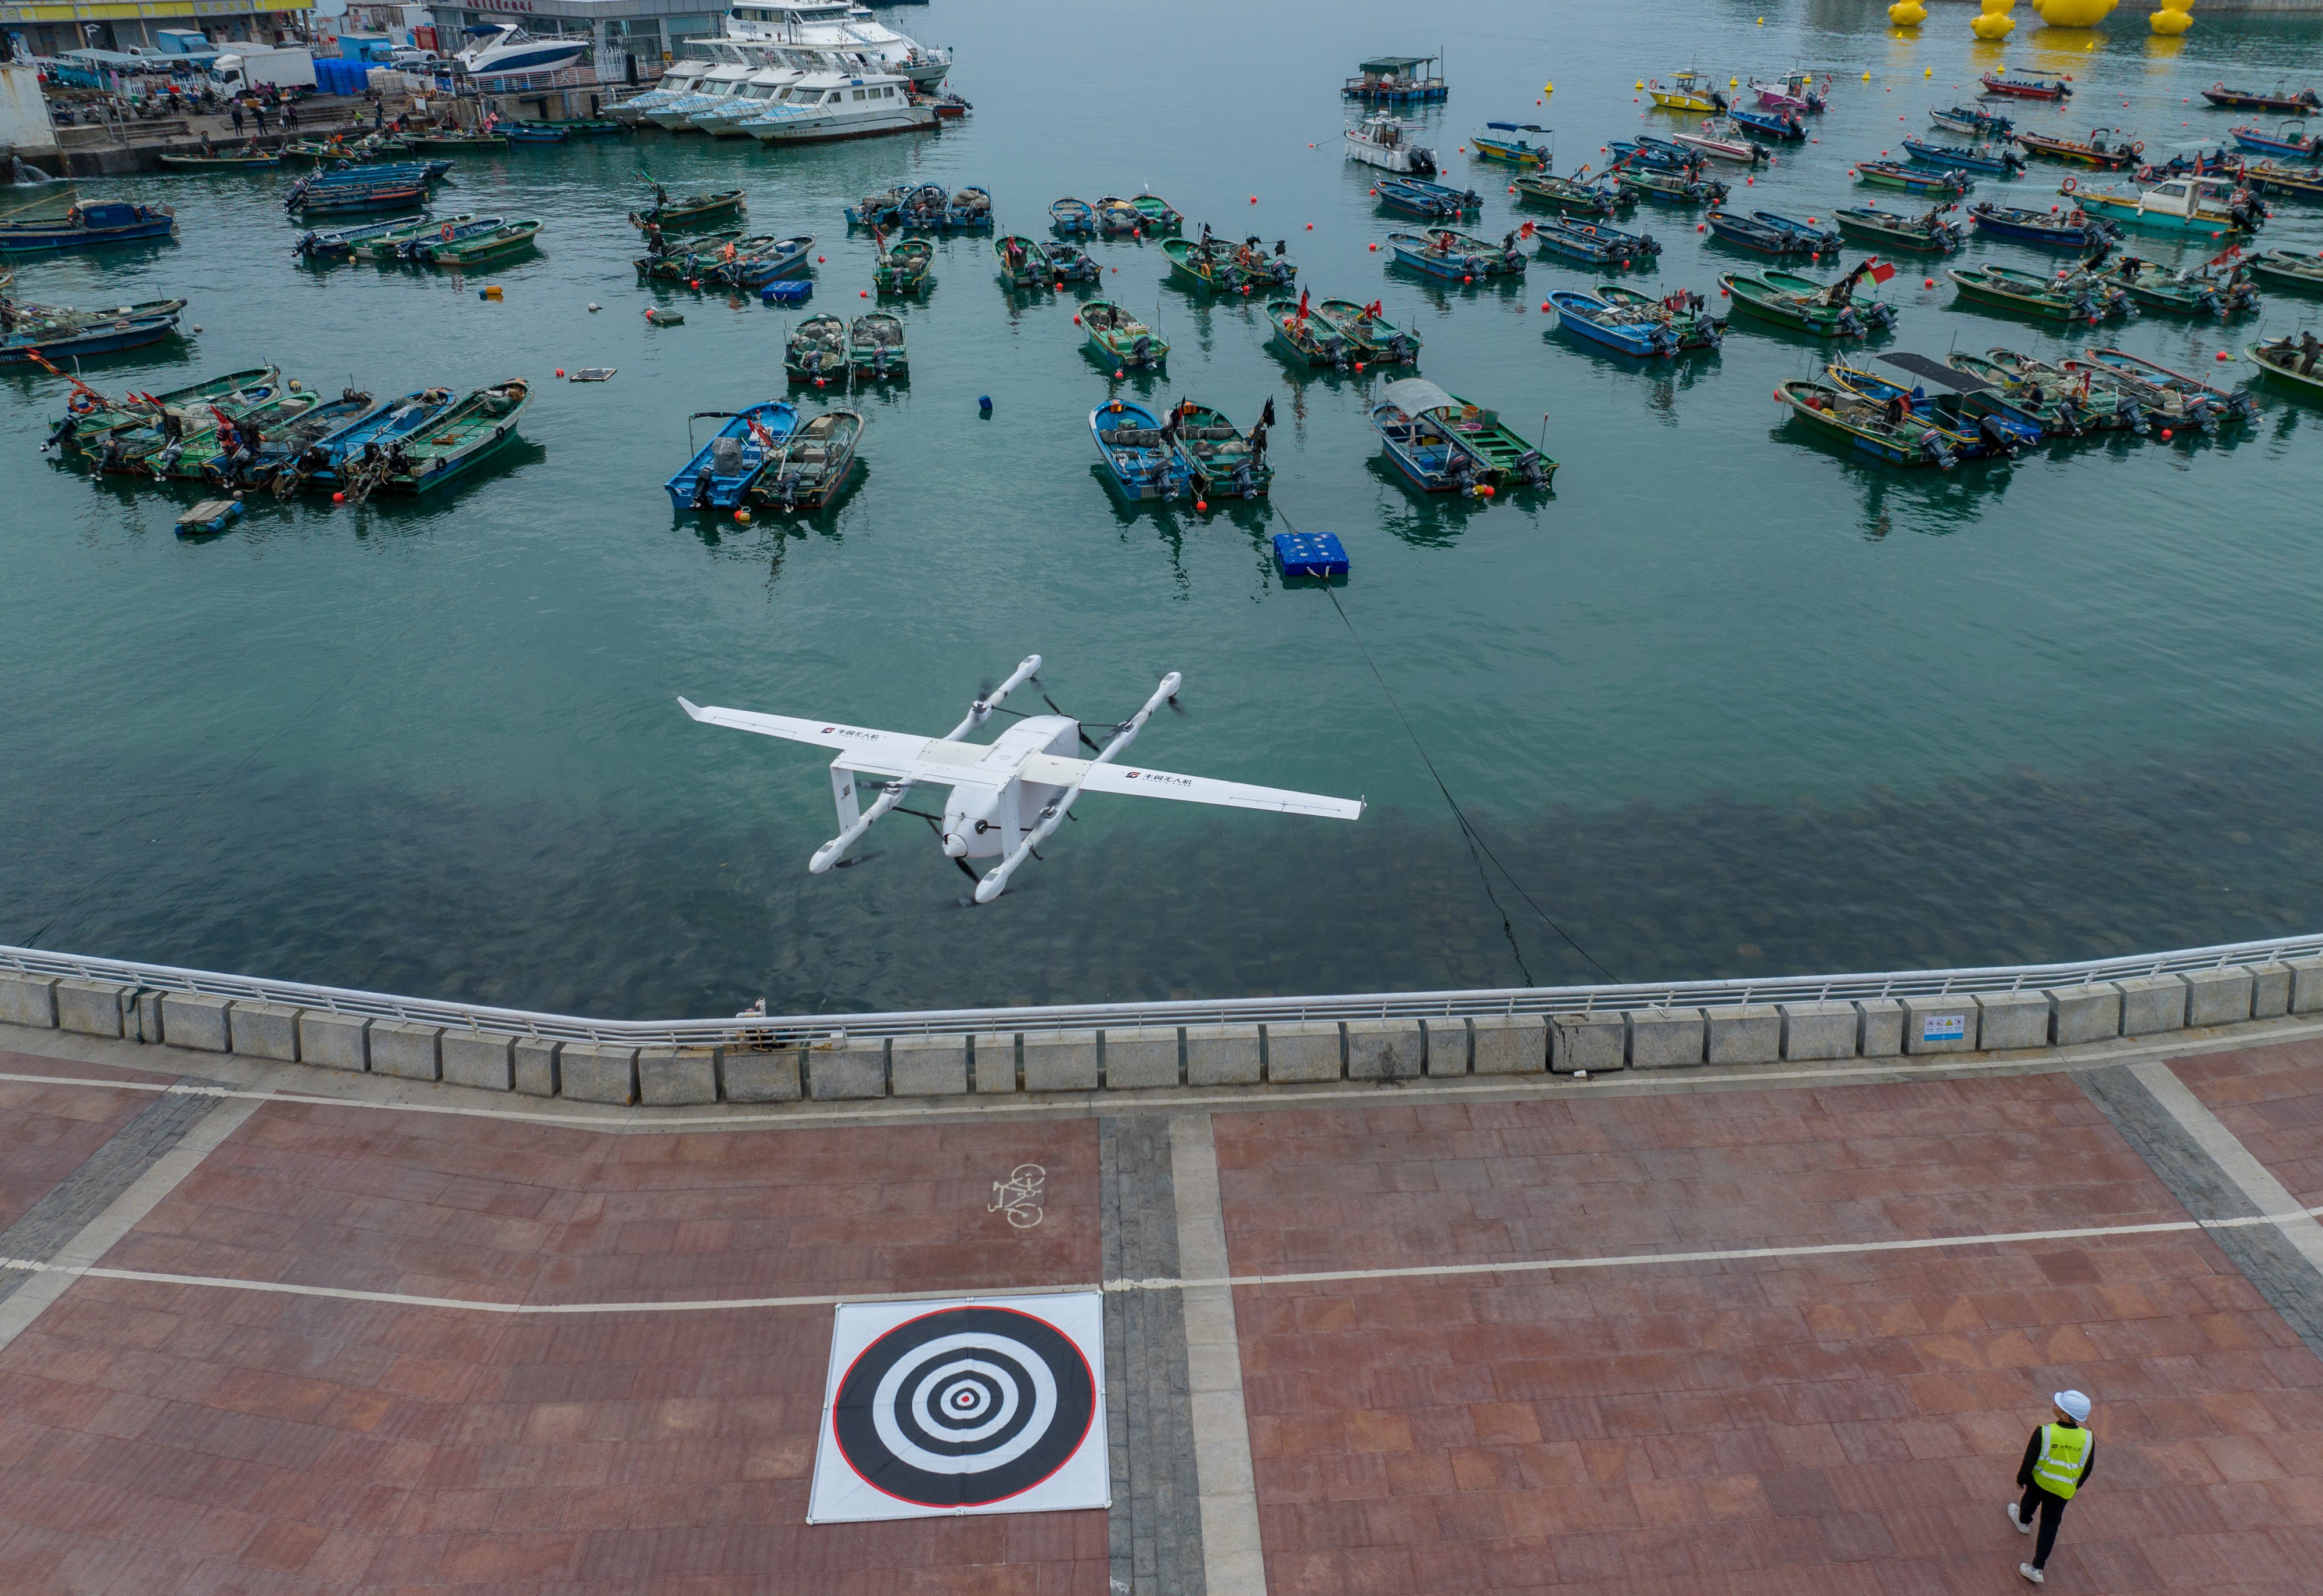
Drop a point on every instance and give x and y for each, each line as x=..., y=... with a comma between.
x=757, y=1031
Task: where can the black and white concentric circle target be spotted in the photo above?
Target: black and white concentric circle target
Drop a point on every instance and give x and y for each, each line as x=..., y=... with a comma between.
x=964, y=1407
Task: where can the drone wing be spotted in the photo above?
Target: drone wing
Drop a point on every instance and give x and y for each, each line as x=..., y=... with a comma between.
x=1137, y=781
x=865, y=748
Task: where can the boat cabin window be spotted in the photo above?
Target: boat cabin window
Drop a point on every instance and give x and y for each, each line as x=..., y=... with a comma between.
x=2175, y=190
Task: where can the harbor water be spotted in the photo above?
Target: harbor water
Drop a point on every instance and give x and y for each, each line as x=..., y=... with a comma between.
x=1728, y=700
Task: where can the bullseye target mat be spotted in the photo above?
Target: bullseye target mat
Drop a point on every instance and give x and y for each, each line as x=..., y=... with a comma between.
x=975, y=1406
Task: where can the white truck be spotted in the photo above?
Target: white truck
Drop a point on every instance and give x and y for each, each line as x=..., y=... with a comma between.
x=252, y=66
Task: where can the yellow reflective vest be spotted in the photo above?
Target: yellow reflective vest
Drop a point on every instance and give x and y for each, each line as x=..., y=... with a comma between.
x=2063, y=1450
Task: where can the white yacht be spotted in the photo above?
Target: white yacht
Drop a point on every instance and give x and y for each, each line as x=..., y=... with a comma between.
x=840, y=26
x=1385, y=141
x=676, y=84
x=502, y=49
x=753, y=97
x=826, y=106
x=710, y=92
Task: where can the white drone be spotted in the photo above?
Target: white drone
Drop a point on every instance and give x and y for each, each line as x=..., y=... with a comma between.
x=1006, y=795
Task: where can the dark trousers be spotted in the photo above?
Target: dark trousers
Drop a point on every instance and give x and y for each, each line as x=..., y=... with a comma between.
x=2051, y=1510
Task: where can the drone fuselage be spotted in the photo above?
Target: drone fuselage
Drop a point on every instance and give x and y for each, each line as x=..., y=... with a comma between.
x=992, y=807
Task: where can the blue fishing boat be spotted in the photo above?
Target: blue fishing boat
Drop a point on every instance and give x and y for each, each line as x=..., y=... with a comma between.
x=1435, y=201
x=341, y=243
x=1655, y=152
x=73, y=340
x=1624, y=330
x=358, y=454
x=87, y=226
x=1142, y=462
x=970, y=210
x=1973, y=120
x=1983, y=158
x=878, y=210
x=723, y=470
x=380, y=171
x=1818, y=239
x=1771, y=235
x=2291, y=139
x=518, y=133
x=1773, y=123
x=1075, y=218
x=2074, y=230
x=1414, y=419
x=1456, y=256
x=1595, y=243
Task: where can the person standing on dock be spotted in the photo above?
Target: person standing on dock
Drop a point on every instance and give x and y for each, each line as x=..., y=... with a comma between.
x=2057, y=1463
x=234, y=114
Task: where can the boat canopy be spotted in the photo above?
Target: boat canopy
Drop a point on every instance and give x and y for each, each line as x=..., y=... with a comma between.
x=1935, y=372
x=1518, y=126
x=1398, y=64
x=1416, y=396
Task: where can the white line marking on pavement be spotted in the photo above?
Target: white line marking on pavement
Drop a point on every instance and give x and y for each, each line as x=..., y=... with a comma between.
x=1225, y=1482
x=2273, y=1201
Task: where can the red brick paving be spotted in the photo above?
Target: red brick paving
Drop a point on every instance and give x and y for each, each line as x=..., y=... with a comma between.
x=47, y=1131
x=185, y=1439
x=2272, y=1098
x=1796, y=1426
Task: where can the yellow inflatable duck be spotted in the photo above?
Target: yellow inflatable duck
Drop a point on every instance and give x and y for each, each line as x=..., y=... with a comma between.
x=2173, y=18
x=1907, y=14
x=1994, y=22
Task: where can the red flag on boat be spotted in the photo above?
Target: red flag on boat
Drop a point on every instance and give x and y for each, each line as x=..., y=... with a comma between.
x=2233, y=251
x=1881, y=271
x=1303, y=304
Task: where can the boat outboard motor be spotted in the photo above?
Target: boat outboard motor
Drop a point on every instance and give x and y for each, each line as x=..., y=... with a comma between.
x=1850, y=324
x=1140, y=353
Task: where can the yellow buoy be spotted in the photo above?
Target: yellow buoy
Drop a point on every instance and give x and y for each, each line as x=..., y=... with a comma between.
x=1548, y=89
x=1867, y=78
x=1641, y=83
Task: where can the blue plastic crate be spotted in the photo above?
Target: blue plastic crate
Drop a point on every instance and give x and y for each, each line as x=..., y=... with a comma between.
x=796, y=292
x=1309, y=553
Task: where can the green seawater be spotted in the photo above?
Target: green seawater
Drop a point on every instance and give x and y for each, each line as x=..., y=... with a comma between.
x=1727, y=700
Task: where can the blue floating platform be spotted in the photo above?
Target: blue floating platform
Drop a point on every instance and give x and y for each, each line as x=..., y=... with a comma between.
x=794, y=292
x=1309, y=553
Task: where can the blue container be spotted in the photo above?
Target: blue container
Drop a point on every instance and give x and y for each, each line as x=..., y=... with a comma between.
x=794, y=292
x=1309, y=553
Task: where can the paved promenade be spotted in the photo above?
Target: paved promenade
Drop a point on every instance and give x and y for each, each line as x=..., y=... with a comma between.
x=1694, y=1338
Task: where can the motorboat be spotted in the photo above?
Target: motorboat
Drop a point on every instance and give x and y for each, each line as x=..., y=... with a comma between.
x=502, y=49
x=1385, y=141
x=822, y=107
x=753, y=97
x=840, y=26
x=675, y=83
x=710, y=91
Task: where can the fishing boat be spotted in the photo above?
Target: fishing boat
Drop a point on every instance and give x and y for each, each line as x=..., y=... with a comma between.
x=816, y=351
x=346, y=243
x=1417, y=197
x=970, y=210
x=585, y=127
x=2199, y=292
x=2269, y=177
x=1645, y=151
x=1387, y=143
x=1375, y=340
x=238, y=161
x=2232, y=404
x=1069, y=263
x=1685, y=91
x=2074, y=229
x=1792, y=91
x=1927, y=233
x=726, y=258
x=2088, y=399
x=1596, y=242
x=1668, y=187
x=1770, y=124
x=531, y=133
x=1771, y=235
x=1505, y=141
x=1805, y=305
x=270, y=460
x=456, y=143
x=316, y=195
x=1120, y=340
x=1982, y=157
x=1073, y=218
x=90, y=225
x=1598, y=197
x=2208, y=207
x=2278, y=98
x=1237, y=268
x=2103, y=149
x=1117, y=218
x=1973, y=120
x=758, y=261
x=354, y=459
x=162, y=448
x=1966, y=393
x=55, y=340
x=885, y=208
x=1888, y=174
x=1218, y=456
x=2291, y=140
x=459, y=439
x=811, y=467
x=1307, y=339
x=2293, y=362
x=2290, y=268
x=906, y=267
x=89, y=417
x=949, y=108
x=1863, y=426
x=875, y=347
x=925, y=206
x=2024, y=88
x=722, y=471
x=371, y=146
x=1155, y=214
x=1445, y=443
x=1616, y=328
x=1972, y=435
x=1685, y=312
x=1023, y=263
x=1142, y=464
x=1456, y=256
x=477, y=247
x=696, y=210
x=1725, y=141
x=2070, y=298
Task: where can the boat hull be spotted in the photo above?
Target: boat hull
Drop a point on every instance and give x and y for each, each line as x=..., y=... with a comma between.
x=2308, y=385
x=114, y=337
x=808, y=130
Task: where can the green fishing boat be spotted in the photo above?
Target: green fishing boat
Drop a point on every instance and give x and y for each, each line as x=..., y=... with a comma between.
x=907, y=268
x=875, y=347
x=2295, y=365
x=370, y=147
x=1121, y=340
x=89, y=417
x=1218, y=458
x=459, y=440
x=388, y=246
x=816, y=351
x=2063, y=405
x=1154, y=214
x=509, y=238
x=584, y=128
x=189, y=439
x=454, y=144
x=2199, y=292
x=1572, y=196
x=1863, y=426
x=1927, y=233
x=1023, y=263
x=2028, y=293
x=1669, y=187
x=2290, y=268
x=220, y=162
x=1306, y=339
x=1805, y=305
x=696, y=210
x=812, y=464
x=1913, y=179
x=1377, y=340
x=1514, y=462
x=2120, y=401
x=1227, y=268
x=699, y=254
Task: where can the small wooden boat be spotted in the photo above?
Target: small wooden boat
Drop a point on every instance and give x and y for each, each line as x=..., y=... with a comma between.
x=1669, y=187
x=2024, y=88
x=817, y=351
x=1444, y=444
x=2232, y=404
x=924, y=206
x=1970, y=434
x=456, y=144
x=1770, y=124
x=221, y=162
x=1912, y=180
x=1685, y=91
x=1645, y=151
x=1997, y=159
x=1505, y=141
x=532, y=133
x=1685, y=313
x=1725, y=141
x=1617, y=327
x=1306, y=339
x=340, y=199
x=180, y=445
x=374, y=146
x=2290, y=139
x=1515, y=463
x=1142, y=464
x=1117, y=218
x=970, y=210
x=883, y=210
x=2197, y=292
x=1375, y=340
x=696, y=210
x=811, y=467
x=1974, y=121
x=2074, y=229
x=722, y=471
x=355, y=459
x=1986, y=388
x=55, y=341
x=1023, y=263
x=2291, y=362
x=1436, y=201
x=1223, y=267
x=270, y=460
x=585, y=127
x=2290, y=268
x=89, y=417
x=1071, y=263
x=1155, y=215
x=1073, y=217
x=1806, y=306
x=459, y=439
x=493, y=239
x=2103, y=149
x=875, y=347
x=905, y=267
x=950, y=106
x=2089, y=399
x=1456, y=256
x=210, y=517
x=758, y=261
x=1598, y=196
x=1863, y=426
x=2269, y=177
x=348, y=244
x=2208, y=207
x=1219, y=460
x=1597, y=244
x=2277, y=98
x=90, y=225
x=2075, y=299
x=1771, y=235
x=1928, y=233
x=1120, y=340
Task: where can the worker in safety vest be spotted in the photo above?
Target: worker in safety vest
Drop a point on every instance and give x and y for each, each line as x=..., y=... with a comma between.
x=2057, y=1463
